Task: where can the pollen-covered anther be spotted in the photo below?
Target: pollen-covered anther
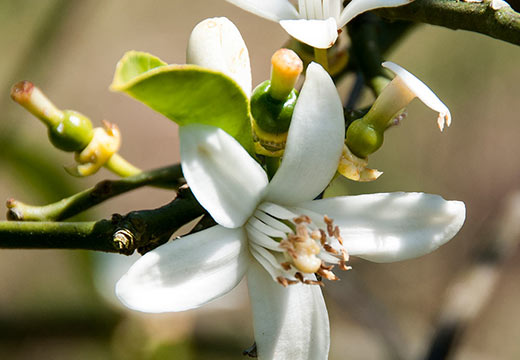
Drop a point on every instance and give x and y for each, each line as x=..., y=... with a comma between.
x=285, y=282
x=330, y=225
x=337, y=235
x=327, y=274
x=313, y=282
x=330, y=249
x=343, y=266
x=286, y=266
x=302, y=219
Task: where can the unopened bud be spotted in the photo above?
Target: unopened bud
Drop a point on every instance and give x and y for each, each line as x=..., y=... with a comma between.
x=35, y=101
x=68, y=130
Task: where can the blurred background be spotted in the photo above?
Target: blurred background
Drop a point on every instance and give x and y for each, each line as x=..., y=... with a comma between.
x=49, y=305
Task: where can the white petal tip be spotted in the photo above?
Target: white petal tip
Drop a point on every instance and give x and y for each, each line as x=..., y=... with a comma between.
x=498, y=4
x=217, y=44
x=321, y=34
x=423, y=92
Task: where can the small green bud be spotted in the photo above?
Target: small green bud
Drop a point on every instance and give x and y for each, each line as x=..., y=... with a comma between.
x=72, y=133
x=363, y=139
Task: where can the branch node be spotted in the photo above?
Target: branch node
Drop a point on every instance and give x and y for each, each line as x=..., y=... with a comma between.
x=124, y=241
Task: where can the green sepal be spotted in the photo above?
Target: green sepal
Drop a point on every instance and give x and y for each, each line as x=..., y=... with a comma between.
x=186, y=94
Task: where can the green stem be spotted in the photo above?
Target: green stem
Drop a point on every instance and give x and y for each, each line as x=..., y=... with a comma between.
x=321, y=57
x=121, y=167
x=502, y=24
x=170, y=177
x=121, y=234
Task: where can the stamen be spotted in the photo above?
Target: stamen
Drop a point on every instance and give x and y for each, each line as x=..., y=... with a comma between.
x=329, y=275
x=330, y=249
x=330, y=223
x=313, y=282
x=295, y=249
x=283, y=281
x=286, y=265
x=299, y=276
x=337, y=235
x=302, y=219
x=343, y=266
x=325, y=267
x=323, y=239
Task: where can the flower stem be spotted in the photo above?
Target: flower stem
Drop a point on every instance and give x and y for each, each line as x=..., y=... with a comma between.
x=168, y=177
x=321, y=57
x=121, y=167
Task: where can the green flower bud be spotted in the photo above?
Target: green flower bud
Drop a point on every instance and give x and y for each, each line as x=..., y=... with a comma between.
x=72, y=133
x=363, y=138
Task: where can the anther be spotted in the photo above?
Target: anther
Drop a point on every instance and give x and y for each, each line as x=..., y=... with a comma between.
x=286, y=266
x=302, y=219
x=330, y=249
x=313, y=282
x=325, y=267
x=343, y=266
x=283, y=281
x=329, y=275
x=299, y=276
x=337, y=235
x=323, y=239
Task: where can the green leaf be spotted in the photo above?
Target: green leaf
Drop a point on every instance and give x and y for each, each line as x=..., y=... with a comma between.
x=186, y=94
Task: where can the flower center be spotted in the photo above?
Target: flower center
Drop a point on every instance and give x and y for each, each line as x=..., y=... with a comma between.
x=295, y=248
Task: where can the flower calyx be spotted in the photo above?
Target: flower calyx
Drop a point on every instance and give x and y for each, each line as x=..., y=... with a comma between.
x=105, y=142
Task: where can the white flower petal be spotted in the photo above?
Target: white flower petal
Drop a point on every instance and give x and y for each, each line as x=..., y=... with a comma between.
x=275, y=10
x=226, y=181
x=332, y=8
x=217, y=44
x=321, y=34
x=423, y=92
x=356, y=7
x=314, y=143
x=290, y=323
x=394, y=226
x=187, y=272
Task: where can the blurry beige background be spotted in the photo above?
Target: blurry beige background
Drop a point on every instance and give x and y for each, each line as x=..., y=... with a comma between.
x=48, y=309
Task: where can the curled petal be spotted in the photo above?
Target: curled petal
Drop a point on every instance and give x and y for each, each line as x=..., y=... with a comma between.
x=217, y=44
x=393, y=226
x=314, y=142
x=274, y=10
x=321, y=34
x=290, y=323
x=357, y=7
x=186, y=273
x=423, y=92
x=226, y=181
